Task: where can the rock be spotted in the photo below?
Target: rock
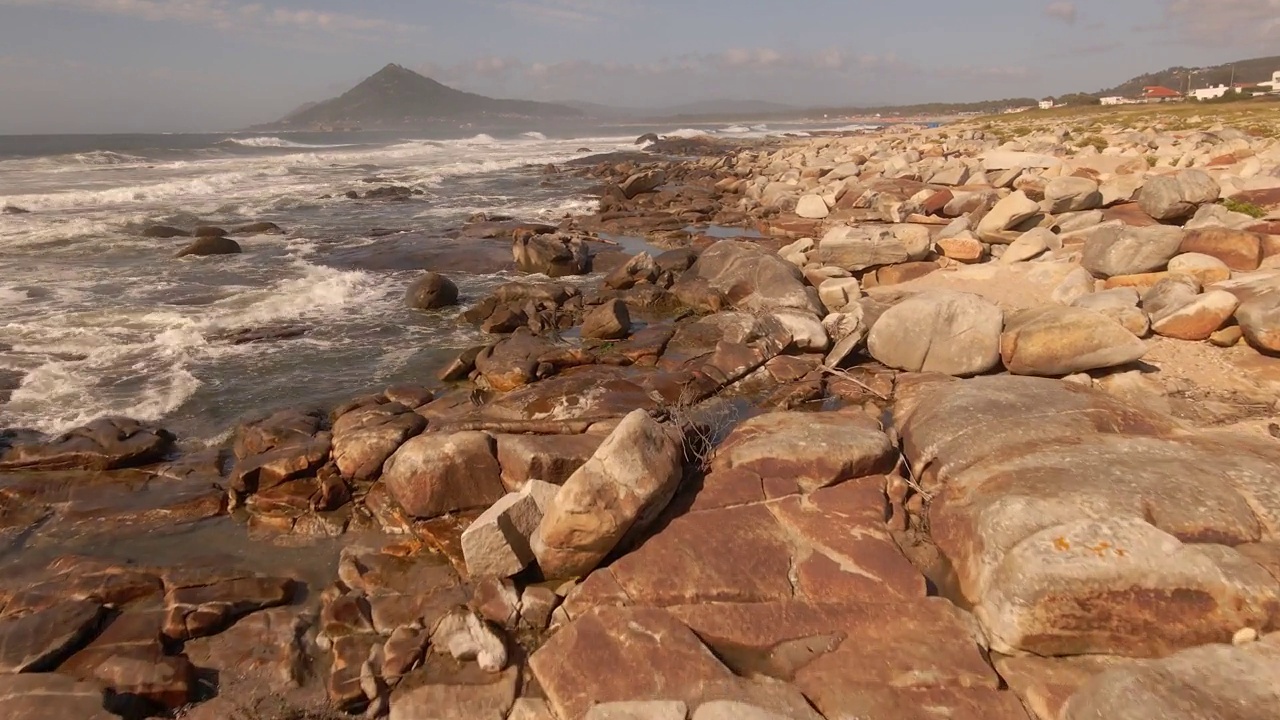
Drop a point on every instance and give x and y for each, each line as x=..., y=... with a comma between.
x=807, y=332
x=496, y=544
x=465, y=636
x=1238, y=249
x=815, y=450
x=435, y=474
x=1216, y=681
x=647, y=138
x=258, y=228
x=39, y=642
x=199, y=604
x=940, y=331
x=1169, y=294
x=431, y=292
x=551, y=254
x=13, y=210
x=207, y=246
x=1259, y=318
x=513, y=362
x=1056, y=341
x=106, y=444
x=745, y=277
x=963, y=249
x=812, y=207
x=1077, y=284
x=1229, y=336
x=642, y=182
x=164, y=232
x=862, y=247
x=1006, y=215
x=1119, y=304
x=610, y=321
x=1199, y=319
x=639, y=269
x=1174, y=197
x=1031, y=245
x=549, y=458
x=639, y=710
x=1206, y=269
x=467, y=697
x=364, y=438
x=619, y=491
x=208, y=231
x=1132, y=251
x=1071, y=194
x=837, y=294
x=49, y=696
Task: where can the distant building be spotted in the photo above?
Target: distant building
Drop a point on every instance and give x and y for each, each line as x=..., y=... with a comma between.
x=1158, y=94
x=1047, y=104
x=1113, y=100
x=1274, y=83
x=1211, y=93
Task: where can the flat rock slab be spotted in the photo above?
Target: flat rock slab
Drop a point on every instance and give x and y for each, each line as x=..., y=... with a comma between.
x=40, y=641
x=105, y=444
x=51, y=697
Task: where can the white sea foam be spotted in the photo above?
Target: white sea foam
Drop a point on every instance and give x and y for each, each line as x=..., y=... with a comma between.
x=687, y=133
x=206, y=185
x=275, y=142
x=12, y=295
x=737, y=129
x=534, y=136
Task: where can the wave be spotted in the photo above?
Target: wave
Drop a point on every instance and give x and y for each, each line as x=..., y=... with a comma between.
x=199, y=186
x=858, y=128
x=105, y=157
x=687, y=133
x=273, y=142
x=736, y=129
x=534, y=136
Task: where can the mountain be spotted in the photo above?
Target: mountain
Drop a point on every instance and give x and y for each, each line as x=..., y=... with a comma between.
x=1245, y=71
x=396, y=97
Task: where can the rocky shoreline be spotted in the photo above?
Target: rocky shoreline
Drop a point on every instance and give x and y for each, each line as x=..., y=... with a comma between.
x=925, y=424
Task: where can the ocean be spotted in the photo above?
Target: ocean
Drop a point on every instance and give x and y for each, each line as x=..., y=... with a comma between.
x=97, y=320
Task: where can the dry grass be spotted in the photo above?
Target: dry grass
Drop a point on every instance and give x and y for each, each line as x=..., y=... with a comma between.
x=1258, y=117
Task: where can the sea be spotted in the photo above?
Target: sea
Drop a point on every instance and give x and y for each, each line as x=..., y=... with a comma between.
x=97, y=320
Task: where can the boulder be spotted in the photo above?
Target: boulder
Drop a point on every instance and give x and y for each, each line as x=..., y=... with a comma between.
x=435, y=474
x=940, y=331
x=812, y=207
x=1076, y=284
x=1169, y=294
x=215, y=245
x=1030, y=245
x=618, y=492
x=551, y=254
x=1259, y=317
x=496, y=544
x=209, y=231
x=745, y=277
x=258, y=228
x=1239, y=249
x=106, y=444
x=1120, y=304
x=1132, y=251
x=838, y=294
x=164, y=232
x=39, y=642
x=1057, y=341
x=963, y=249
x=549, y=458
x=1071, y=194
x=1206, y=269
x=1176, y=197
x=365, y=437
x=807, y=332
x=642, y=182
x=1200, y=318
x=1007, y=214
x=431, y=292
x=858, y=248
x=49, y=696
x=610, y=321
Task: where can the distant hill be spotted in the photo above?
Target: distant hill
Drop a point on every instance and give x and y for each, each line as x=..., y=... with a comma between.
x=1245, y=71
x=396, y=97
x=704, y=108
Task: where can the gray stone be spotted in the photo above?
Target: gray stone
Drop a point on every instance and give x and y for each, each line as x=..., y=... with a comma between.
x=945, y=332
x=1177, y=196
x=1056, y=341
x=1006, y=215
x=1071, y=194
x=1134, y=251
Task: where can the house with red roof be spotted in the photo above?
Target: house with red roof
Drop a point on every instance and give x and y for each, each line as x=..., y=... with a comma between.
x=1159, y=93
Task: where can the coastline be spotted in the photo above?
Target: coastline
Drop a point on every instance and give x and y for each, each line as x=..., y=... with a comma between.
x=771, y=389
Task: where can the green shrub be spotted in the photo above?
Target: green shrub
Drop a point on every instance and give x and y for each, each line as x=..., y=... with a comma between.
x=1096, y=141
x=1247, y=208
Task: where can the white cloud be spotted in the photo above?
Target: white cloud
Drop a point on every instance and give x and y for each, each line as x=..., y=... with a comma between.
x=1246, y=23
x=1064, y=11
x=580, y=13
x=226, y=15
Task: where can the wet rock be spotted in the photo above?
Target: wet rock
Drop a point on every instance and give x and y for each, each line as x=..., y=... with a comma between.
x=434, y=474
x=1057, y=341
x=947, y=332
x=106, y=444
x=1177, y=196
x=39, y=642
x=200, y=605
x=513, y=361
x=258, y=228
x=365, y=437
x=553, y=255
x=610, y=321
x=164, y=232
x=207, y=246
x=432, y=291
x=647, y=138
x=619, y=491
x=389, y=192
x=282, y=463
x=642, y=182
x=812, y=450
x=129, y=659
x=1131, y=251
x=51, y=697
x=246, y=336
x=744, y=277
x=13, y=210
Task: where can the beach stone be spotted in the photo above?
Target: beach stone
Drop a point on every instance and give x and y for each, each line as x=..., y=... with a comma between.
x=939, y=331
x=731, y=710
x=164, y=232
x=1169, y=294
x=549, y=458
x=432, y=291
x=963, y=249
x=106, y=444
x=39, y=642
x=496, y=544
x=858, y=248
x=1229, y=336
x=513, y=362
x=49, y=696
x=364, y=438
x=812, y=207
x=1007, y=214
x=1199, y=319
x=1177, y=196
x=1216, y=681
x=469, y=696
x=1119, y=304
x=1259, y=318
x=1239, y=250
x=807, y=332
x=1057, y=341
x=199, y=604
x=551, y=254
x=1133, y=251
x=642, y=182
x=269, y=646
x=211, y=245
x=639, y=269
x=1206, y=269
x=1075, y=285
x=1078, y=221
x=646, y=710
x=741, y=276
x=837, y=294
x=1071, y=194
x=129, y=659
x=814, y=450
x=1030, y=245
x=610, y=321
x=435, y=474
x=258, y=228
x=619, y=491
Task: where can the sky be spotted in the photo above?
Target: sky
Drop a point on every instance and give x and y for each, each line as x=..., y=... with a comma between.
x=90, y=66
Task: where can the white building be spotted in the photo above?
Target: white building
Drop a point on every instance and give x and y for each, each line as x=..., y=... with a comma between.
x=1046, y=104
x=1274, y=83
x=1211, y=93
x=1113, y=100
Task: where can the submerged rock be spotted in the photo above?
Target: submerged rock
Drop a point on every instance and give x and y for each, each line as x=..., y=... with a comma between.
x=432, y=291
x=215, y=245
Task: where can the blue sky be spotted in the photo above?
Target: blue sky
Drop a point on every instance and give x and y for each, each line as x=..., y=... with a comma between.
x=185, y=65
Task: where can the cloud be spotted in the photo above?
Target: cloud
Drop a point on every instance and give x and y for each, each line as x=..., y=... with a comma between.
x=1225, y=23
x=228, y=15
x=1064, y=11
x=578, y=13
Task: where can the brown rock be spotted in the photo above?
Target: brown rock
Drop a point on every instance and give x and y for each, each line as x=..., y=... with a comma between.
x=106, y=444
x=472, y=695
x=39, y=642
x=550, y=458
x=1240, y=249
x=434, y=474
x=201, y=605
x=51, y=697
x=965, y=250
x=815, y=450
x=364, y=438
x=1200, y=319
x=610, y=321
